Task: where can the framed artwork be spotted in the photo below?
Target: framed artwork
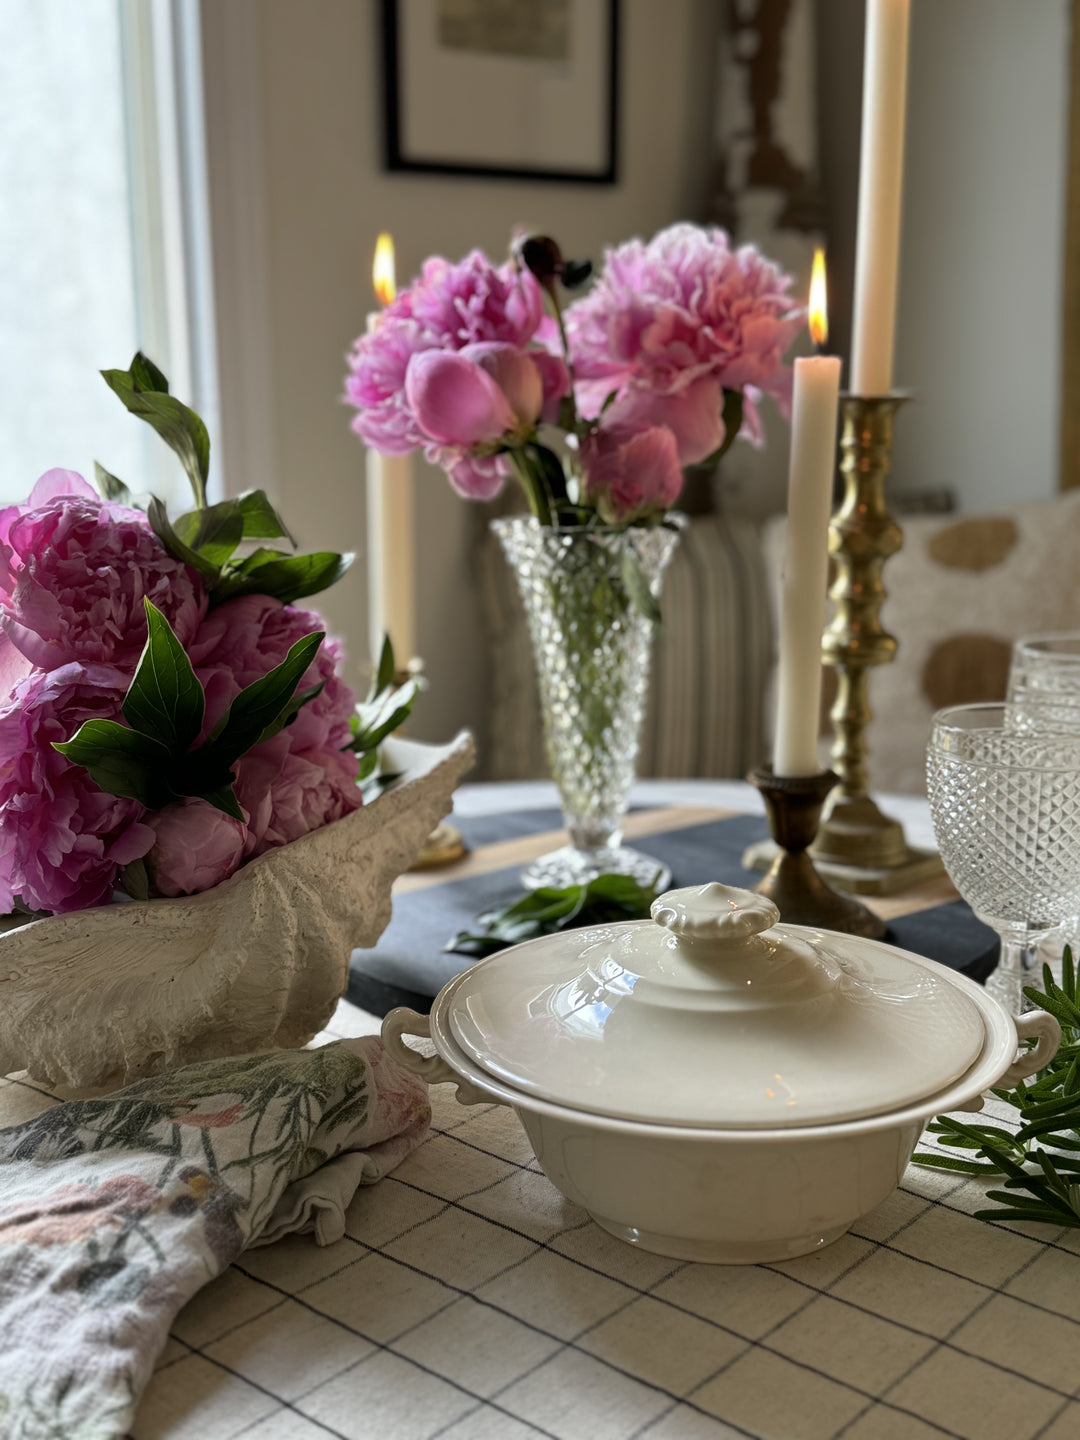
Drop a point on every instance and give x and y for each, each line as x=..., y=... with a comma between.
x=522, y=89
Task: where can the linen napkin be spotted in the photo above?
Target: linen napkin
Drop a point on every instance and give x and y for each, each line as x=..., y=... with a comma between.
x=113, y=1212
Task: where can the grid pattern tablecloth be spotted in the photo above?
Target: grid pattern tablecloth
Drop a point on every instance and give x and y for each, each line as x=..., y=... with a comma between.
x=469, y=1301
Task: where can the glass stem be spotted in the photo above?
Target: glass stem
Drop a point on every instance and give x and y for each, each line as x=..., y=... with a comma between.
x=1017, y=967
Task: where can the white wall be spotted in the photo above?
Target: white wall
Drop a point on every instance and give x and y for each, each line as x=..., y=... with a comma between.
x=979, y=338
x=314, y=72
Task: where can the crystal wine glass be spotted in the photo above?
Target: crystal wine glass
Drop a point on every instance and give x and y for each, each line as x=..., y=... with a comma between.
x=1006, y=809
x=1044, y=683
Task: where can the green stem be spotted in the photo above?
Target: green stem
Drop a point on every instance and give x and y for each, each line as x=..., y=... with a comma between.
x=533, y=485
x=552, y=292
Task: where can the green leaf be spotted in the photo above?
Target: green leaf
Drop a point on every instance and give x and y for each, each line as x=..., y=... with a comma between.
x=165, y=699
x=146, y=374
x=383, y=716
x=261, y=520
x=214, y=533
x=121, y=761
x=732, y=416
x=604, y=901
x=256, y=711
x=287, y=577
x=224, y=799
x=163, y=529
x=135, y=880
x=292, y=709
x=384, y=676
x=368, y=765
x=109, y=487
x=140, y=389
x=930, y=1161
x=637, y=587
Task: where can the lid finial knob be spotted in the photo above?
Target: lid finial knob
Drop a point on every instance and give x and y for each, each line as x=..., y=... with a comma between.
x=714, y=912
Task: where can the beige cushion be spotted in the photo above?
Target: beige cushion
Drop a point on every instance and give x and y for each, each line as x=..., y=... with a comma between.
x=959, y=592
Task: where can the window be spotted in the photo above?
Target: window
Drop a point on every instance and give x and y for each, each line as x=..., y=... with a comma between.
x=102, y=223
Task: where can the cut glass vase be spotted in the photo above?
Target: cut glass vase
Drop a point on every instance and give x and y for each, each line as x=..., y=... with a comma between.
x=591, y=644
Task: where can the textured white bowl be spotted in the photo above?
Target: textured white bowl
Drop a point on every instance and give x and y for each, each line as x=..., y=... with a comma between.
x=726, y=1196
x=104, y=996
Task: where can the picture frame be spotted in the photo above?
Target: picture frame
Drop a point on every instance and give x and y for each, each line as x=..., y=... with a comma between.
x=498, y=89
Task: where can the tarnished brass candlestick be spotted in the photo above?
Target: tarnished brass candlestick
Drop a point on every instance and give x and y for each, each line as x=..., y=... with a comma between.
x=858, y=847
x=793, y=804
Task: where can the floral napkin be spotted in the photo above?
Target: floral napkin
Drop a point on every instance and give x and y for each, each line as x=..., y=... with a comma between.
x=113, y=1212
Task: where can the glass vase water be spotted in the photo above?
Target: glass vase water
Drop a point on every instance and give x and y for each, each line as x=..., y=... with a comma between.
x=591, y=644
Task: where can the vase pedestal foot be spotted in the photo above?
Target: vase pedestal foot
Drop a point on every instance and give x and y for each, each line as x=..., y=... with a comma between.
x=567, y=866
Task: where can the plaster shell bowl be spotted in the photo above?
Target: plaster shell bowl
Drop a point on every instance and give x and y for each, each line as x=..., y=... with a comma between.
x=715, y=1086
x=101, y=997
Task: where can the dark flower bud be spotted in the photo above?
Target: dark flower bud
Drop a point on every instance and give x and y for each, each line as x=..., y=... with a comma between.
x=576, y=273
x=541, y=255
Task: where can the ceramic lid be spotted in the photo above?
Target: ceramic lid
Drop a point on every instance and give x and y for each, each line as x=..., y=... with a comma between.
x=712, y=1014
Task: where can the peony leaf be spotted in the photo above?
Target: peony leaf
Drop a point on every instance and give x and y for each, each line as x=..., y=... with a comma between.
x=292, y=709
x=121, y=761
x=109, y=487
x=213, y=533
x=165, y=699
x=163, y=529
x=135, y=880
x=384, y=676
x=261, y=520
x=224, y=799
x=287, y=577
x=146, y=374
x=260, y=710
x=141, y=390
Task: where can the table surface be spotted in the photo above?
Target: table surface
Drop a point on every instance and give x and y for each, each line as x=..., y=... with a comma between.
x=470, y=1301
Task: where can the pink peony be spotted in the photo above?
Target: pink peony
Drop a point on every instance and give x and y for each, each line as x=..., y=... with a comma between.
x=631, y=473
x=239, y=642
x=491, y=313
x=681, y=308
x=196, y=846
x=693, y=415
x=464, y=401
x=74, y=572
x=62, y=840
x=473, y=300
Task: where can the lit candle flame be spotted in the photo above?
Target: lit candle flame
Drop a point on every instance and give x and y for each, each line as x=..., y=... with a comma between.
x=819, y=319
x=382, y=272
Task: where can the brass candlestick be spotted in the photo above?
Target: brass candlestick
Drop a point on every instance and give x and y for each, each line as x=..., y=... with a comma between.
x=858, y=847
x=793, y=805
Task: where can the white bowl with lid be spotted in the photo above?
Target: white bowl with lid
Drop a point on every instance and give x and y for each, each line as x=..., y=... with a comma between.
x=713, y=1085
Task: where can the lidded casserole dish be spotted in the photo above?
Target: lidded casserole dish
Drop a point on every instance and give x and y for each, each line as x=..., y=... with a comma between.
x=713, y=1085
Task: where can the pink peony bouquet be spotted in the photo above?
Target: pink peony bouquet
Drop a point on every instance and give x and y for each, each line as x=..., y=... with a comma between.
x=169, y=711
x=597, y=408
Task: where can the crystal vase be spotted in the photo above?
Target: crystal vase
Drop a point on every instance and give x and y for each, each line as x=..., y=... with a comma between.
x=591, y=643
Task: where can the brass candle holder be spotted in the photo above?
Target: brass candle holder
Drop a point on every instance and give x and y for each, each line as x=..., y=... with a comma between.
x=793, y=805
x=858, y=847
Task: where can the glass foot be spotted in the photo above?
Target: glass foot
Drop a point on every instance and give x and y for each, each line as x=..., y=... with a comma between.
x=570, y=866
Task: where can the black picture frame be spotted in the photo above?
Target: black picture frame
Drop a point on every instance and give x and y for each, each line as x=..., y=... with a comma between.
x=397, y=159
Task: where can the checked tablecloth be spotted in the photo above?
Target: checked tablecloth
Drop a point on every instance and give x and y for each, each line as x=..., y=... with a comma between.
x=469, y=1301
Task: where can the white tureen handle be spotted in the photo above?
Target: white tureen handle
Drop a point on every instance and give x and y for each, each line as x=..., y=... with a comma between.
x=432, y=1069
x=1036, y=1025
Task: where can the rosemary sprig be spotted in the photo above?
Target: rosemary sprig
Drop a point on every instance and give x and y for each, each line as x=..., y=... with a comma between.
x=1041, y=1159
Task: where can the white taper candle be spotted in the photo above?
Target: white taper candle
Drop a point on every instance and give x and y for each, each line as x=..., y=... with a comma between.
x=391, y=550
x=881, y=175
x=806, y=560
